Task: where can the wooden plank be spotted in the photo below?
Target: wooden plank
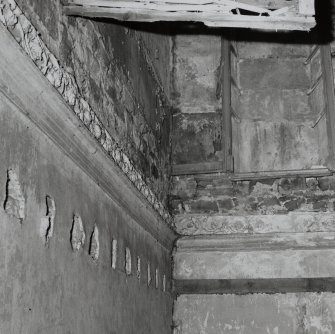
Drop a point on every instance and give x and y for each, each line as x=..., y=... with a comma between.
x=265, y=4
x=197, y=168
x=134, y=5
x=171, y=4
x=328, y=82
x=306, y=7
x=247, y=286
x=226, y=127
x=215, y=167
x=317, y=172
x=288, y=22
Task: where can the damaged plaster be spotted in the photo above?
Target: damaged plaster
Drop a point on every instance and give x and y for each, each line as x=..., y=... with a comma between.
x=128, y=261
x=47, y=222
x=94, y=244
x=14, y=204
x=77, y=233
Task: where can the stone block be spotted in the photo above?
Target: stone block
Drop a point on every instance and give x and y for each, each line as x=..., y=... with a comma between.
x=202, y=205
x=326, y=183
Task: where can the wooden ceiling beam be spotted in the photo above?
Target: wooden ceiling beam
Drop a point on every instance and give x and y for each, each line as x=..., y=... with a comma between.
x=259, y=14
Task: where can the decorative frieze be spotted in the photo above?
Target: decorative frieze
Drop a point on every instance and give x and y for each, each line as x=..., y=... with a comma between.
x=28, y=38
x=197, y=224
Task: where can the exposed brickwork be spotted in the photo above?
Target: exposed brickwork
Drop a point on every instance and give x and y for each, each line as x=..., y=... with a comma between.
x=211, y=195
x=120, y=78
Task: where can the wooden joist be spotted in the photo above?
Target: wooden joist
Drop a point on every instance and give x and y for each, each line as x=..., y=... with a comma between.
x=261, y=14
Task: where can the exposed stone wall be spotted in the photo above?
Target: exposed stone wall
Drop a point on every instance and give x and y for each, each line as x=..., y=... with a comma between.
x=123, y=75
x=211, y=195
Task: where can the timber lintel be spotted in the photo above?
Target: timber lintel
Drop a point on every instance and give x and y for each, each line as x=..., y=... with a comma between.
x=258, y=14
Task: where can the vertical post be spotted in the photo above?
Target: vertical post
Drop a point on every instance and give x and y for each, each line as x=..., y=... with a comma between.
x=228, y=165
x=328, y=82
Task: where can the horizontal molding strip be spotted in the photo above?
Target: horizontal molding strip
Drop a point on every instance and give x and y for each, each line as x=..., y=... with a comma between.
x=249, y=286
x=30, y=92
x=28, y=38
x=216, y=167
x=256, y=242
x=299, y=222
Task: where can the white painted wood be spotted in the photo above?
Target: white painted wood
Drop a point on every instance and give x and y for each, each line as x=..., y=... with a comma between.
x=306, y=7
x=214, y=13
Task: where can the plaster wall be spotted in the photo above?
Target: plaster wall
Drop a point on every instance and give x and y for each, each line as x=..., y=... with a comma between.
x=278, y=128
x=276, y=121
x=292, y=313
x=50, y=287
x=196, y=132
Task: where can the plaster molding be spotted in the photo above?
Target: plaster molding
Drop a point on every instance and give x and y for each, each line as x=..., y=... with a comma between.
x=65, y=83
x=258, y=256
x=199, y=224
x=270, y=242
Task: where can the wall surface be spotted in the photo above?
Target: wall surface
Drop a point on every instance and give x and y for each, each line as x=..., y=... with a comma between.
x=278, y=127
x=196, y=133
x=246, y=262
x=123, y=74
x=256, y=314
x=56, y=282
x=212, y=194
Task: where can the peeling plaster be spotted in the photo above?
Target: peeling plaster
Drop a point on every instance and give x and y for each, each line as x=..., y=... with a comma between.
x=47, y=222
x=14, y=204
x=94, y=244
x=77, y=233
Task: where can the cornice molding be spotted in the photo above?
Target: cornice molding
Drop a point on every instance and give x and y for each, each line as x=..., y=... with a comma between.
x=255, y=256
x=27, y=90
x=28, y=38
